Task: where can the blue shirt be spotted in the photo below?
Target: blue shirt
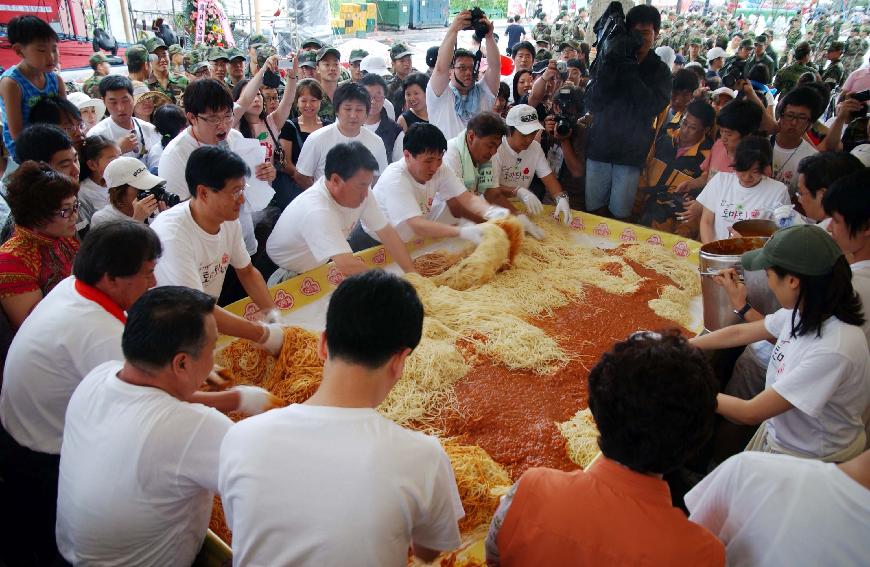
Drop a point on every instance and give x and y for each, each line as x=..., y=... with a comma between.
x=30, y=95
x=514, y=32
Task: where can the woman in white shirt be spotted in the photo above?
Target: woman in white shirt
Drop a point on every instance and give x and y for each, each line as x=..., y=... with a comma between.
x=97, y=153
x=818, y=379
x=126, y=177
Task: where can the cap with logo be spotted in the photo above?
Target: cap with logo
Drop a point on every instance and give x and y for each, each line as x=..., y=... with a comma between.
x=805, y=249
x=374, y=64
x=236, y=53
x=217, y=53
x=136, y=55
x=311, y=42
x=399, y=50
x=152, y=44
x=357, y=55
x=524, y=118
x=130, y=171
x=327, y=50
x=96, y=59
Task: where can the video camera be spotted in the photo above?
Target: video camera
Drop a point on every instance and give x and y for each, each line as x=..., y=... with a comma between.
x=480, y=27
x=161, y=194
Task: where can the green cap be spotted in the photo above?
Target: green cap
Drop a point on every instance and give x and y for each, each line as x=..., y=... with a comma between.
x=216, y=53
x=761, y=38
x=311, y=42
x=235, y=53
x=328, y=50
x=836, y=46
x=358, y=55
x=152, y=44
x=805, y=249
x=264, y=52
x=543, y=55
x=542, y=43
x=137, y=54
x=257, y=39
x=175, y=49
x=695, y=41
x=308, y=59
x=195, y=68
x=400, y=50
x=747, y=43
x=569, y=43
x=96, y=59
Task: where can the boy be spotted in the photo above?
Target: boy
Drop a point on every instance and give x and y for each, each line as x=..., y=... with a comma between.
x=135, y=137
x=798, y=110
x=21, y=86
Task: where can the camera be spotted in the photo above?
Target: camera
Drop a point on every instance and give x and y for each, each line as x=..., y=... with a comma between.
x=480, y=27
x=570, y=105
x=733, y=74
x=161, y=194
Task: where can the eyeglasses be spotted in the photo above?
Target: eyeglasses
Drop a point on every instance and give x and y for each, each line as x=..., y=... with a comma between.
x=216, y=120
x=270, y=98
x=795, y=117
x=75, y=128
x=68, y=211
x=237, y=194
x=463, y=68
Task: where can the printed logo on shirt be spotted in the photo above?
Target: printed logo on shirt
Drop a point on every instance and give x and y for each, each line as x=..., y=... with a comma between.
x=778, y=356
x=210, y=272
x=736, y=211
x=512, y=174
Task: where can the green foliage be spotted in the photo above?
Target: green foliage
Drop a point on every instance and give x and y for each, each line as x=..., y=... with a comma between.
x=494, y=6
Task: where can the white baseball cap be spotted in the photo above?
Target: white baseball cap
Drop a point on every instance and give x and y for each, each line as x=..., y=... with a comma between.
x=666, y=54
x=374, y=64
x=725, y=91
x=715, y=53
x=130, y=171
x=524, y=118
x=81, y=100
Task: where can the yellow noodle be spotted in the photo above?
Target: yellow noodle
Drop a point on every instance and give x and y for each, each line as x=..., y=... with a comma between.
x=480, y=480
x=581, y=437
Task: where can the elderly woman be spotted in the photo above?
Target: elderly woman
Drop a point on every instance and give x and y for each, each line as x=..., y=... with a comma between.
x=41, y=251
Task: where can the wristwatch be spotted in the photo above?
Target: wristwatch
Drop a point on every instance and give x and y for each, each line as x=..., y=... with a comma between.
x=741, y=313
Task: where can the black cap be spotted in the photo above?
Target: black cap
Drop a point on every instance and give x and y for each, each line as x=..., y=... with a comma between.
x=432, y=55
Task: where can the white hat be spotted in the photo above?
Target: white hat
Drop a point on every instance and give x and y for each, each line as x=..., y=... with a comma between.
x=666, y=54
x=524, y=118
x=81, y=100
x=715, y=53
x=130, y=171
x=724, y=90
x=862, y=152
x=694, y=64
x=374, y=64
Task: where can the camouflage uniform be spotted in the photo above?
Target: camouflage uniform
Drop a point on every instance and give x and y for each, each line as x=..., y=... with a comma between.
x=835, y=72
x=856, y=47
x=174, y=89
x=792, y=38
x=788, y=76
x=763, y=60
x=541, y=31
x=91, y=87
x=822, y=47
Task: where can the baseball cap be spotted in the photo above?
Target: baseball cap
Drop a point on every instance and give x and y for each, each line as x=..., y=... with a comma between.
x=311, y=42
x=328, y=50
x=836, y=46
x=235, y=53
x=805, y=249
x=81, y=100
x=195, y=68
x=96, y=59
x=725, y=91
x=542, y=43
x=746, y=43
x=432, y=56
x=175, y=49
x=136, y=54
x=569, y=43
x=524, y=118
x=373, y=64
x=679, y=59
x=695, y=41
x=257, y=39
x=152, y=44
x=217, y=53
x=307, y=59
x=715, y=53
x=130, y=171
x=543, y=55
x=539, y=67
x=400, y=50
x=357, y=55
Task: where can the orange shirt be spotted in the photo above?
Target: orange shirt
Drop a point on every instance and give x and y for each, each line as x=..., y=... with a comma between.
x=608, y=515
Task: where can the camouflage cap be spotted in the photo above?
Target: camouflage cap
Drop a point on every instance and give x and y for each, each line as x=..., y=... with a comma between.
x=543, y=55
x=308, y=59
x=836, y=46
x=328, y=50
x=152, y=44
x=175, y=49
x=96, y=59
x=357, y=55
x=761, y=38
x=235, y=53
x=399, y=50
x=747, y=43
x=136, y=55
x=311, y=42
x=195, y=68
x=257, y=39
x=695, y=41
x=542, y=43
x=264, y=52
x=217, y=53
x=569, y=43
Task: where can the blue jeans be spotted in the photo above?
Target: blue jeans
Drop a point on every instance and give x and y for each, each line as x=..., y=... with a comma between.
x=611, y=185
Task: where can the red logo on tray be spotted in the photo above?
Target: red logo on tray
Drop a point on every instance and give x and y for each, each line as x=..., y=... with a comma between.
x=251, y=311
x=602, y=229
x=681, y=249
x=309, y=287
x=577, y=223
x=628, y=235
x=655, y=240
x=334, y=276
x=283, y=299
x=380, y=256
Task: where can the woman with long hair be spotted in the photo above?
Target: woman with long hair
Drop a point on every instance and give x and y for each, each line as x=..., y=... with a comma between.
x=818, y=378
x=169, y=121
x=309, y=95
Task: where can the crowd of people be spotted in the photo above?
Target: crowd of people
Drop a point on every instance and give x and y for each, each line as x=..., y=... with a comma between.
x=139, y=204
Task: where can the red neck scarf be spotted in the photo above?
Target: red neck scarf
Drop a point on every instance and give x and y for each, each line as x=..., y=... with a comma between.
x=101, y=299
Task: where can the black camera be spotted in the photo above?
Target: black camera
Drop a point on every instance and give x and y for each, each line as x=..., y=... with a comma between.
x=480, y=27
x=570, y=103
x=161, y=194
x=733, y=74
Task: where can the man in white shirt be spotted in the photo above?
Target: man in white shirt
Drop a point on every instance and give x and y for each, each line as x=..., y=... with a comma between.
x=202, y=238
x=135, y=137
x=782, y=510
x=798, y=110
x=133, y=424
x=315, y=226
x=352, y=105
x=818, y=172
x=454, y=94
x=331, y=481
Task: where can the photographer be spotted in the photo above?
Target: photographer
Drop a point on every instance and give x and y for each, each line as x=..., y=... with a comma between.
x=633, y=87
x=134, y=193
x=454, y=94
x=564, y=144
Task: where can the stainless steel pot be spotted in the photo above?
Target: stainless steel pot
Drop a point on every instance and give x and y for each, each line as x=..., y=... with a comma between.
x=721, y=255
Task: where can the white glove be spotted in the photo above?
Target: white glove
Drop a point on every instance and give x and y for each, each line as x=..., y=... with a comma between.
x=471, y=233
x=563, y=208
x=532, y=203
x=275, y=339
x=495, y=212
x=530, y=227
x=254, y=400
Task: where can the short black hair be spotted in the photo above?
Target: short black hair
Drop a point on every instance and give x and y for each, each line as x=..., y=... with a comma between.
x=849, y=197
x=349, y=92
x=346, y=159
x=742, y=116
x=212, y=167
x=371, y=317
x=803, y=96
x=644, y=14
x=802, y=49
x=115, y=83
x=527, y=45
x=751, y=151
x=92, y=147
x=39, y=142
x=169, y=120
x=52, y=110
x=703, y=111
x=486, y=124
x=759, y=73
x=164, y=322
x=419, y=79
x=371, y=80
x=205, y=95
x=424, y=137
x=685, y=80
x=653, y=397
x=116, y=250
x=823, y=169
x=27, y=29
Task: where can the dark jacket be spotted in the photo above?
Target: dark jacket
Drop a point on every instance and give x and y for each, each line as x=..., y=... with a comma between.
x=627, y=102
x=388, y=130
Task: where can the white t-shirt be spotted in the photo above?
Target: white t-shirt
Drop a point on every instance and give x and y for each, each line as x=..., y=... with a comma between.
x=730, y=202
x=194, y=258
x=861, y=285
x=314, y=228
x=772, y=510
x=517, y=169
x=401, y=197
x=65, y=337
x=398, y=145
x=96, y=195
x=826, y=379
x=312, y=158
x=138, y=472
x=145, y=134
x=442, y=109
x=108, y=214
x=785, y=163
x=316, y=485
